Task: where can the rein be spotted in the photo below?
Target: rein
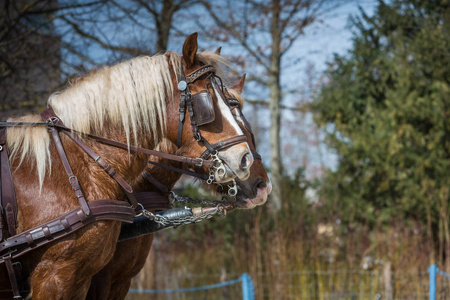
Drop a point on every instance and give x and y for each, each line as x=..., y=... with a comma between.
x=56, y=124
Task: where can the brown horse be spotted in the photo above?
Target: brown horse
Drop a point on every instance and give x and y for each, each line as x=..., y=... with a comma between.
x=134, y=102
x=113, y=282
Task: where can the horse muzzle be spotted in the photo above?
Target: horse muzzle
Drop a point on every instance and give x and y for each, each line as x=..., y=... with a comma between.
x=235, y=162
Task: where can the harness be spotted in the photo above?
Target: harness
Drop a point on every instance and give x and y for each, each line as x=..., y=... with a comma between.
x=201, y=112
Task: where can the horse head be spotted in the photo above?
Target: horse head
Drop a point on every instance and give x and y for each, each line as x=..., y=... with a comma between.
x=255, y=190
x=210, y=130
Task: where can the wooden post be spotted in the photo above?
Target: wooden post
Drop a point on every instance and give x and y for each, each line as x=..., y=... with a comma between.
x=387, y=276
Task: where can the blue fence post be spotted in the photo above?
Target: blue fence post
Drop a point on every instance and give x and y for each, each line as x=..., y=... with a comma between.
x=432, y=270
x=248, y=291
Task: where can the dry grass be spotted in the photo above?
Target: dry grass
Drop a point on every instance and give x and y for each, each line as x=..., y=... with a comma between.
x=290, y=260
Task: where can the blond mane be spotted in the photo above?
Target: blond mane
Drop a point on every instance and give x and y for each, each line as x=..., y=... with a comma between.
x=130, y=95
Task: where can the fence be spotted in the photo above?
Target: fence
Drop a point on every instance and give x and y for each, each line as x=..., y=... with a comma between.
x=334, y=284
x=355, y=291
x=248, y=292
x=433, y=270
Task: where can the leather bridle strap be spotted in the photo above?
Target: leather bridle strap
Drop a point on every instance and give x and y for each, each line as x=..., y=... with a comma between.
x=193, y=174
x=223, y=144
x=186, y=99
x=185, y=95
x=193, y=76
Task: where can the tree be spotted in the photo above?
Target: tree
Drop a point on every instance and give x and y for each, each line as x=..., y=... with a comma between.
x=386, y=107
x=43, y=43
x=265, y=31
x=27, y=41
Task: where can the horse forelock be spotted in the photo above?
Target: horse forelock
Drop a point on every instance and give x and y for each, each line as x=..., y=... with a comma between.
x=219, y=62
x=208, y=58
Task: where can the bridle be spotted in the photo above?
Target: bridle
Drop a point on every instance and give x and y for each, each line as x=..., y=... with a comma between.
x=201, y=109
x=235, y=104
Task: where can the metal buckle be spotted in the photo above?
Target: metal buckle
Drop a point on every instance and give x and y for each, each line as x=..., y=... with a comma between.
x=200, y=164
x=197, y=136
x=9, y=254
x=76, y=179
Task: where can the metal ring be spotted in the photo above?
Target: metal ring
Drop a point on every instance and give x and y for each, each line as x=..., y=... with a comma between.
x=1, y=148
x=232, y=192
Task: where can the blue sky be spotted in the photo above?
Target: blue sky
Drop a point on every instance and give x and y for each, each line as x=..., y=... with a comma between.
x=302, y=141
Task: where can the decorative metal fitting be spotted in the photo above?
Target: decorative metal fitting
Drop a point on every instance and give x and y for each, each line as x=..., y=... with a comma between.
x=52, y=120
x=182, y=85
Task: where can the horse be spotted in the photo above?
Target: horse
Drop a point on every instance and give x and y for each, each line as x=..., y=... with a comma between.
x=113, y=282
x=133, y=103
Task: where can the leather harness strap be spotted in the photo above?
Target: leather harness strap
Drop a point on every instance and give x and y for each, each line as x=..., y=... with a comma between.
x=193, y=174
x=8, y=197
x=153, y=200
x=8, y=206
x=155, y=182
x=49, y=114
x=73, y=180
x=64, y=225
x=12, y=278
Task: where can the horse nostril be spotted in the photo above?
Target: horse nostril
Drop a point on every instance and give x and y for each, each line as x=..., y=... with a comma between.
x=245, y=162
x=260, y=183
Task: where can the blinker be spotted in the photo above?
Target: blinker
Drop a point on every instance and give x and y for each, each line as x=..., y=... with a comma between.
x=203, y=108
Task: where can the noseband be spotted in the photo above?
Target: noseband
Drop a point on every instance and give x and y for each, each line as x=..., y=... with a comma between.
x=201, y=110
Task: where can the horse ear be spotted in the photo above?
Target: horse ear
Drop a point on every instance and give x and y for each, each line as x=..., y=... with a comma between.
x=239, y=86
x=218, y=50
x=190, y=48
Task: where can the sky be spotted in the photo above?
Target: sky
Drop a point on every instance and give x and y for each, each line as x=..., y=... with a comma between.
x=303, y=144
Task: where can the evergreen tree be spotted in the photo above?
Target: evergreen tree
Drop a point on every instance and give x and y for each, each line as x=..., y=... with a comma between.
x=386, y=108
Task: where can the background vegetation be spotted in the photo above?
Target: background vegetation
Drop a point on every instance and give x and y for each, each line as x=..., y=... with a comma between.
x=370, y=226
